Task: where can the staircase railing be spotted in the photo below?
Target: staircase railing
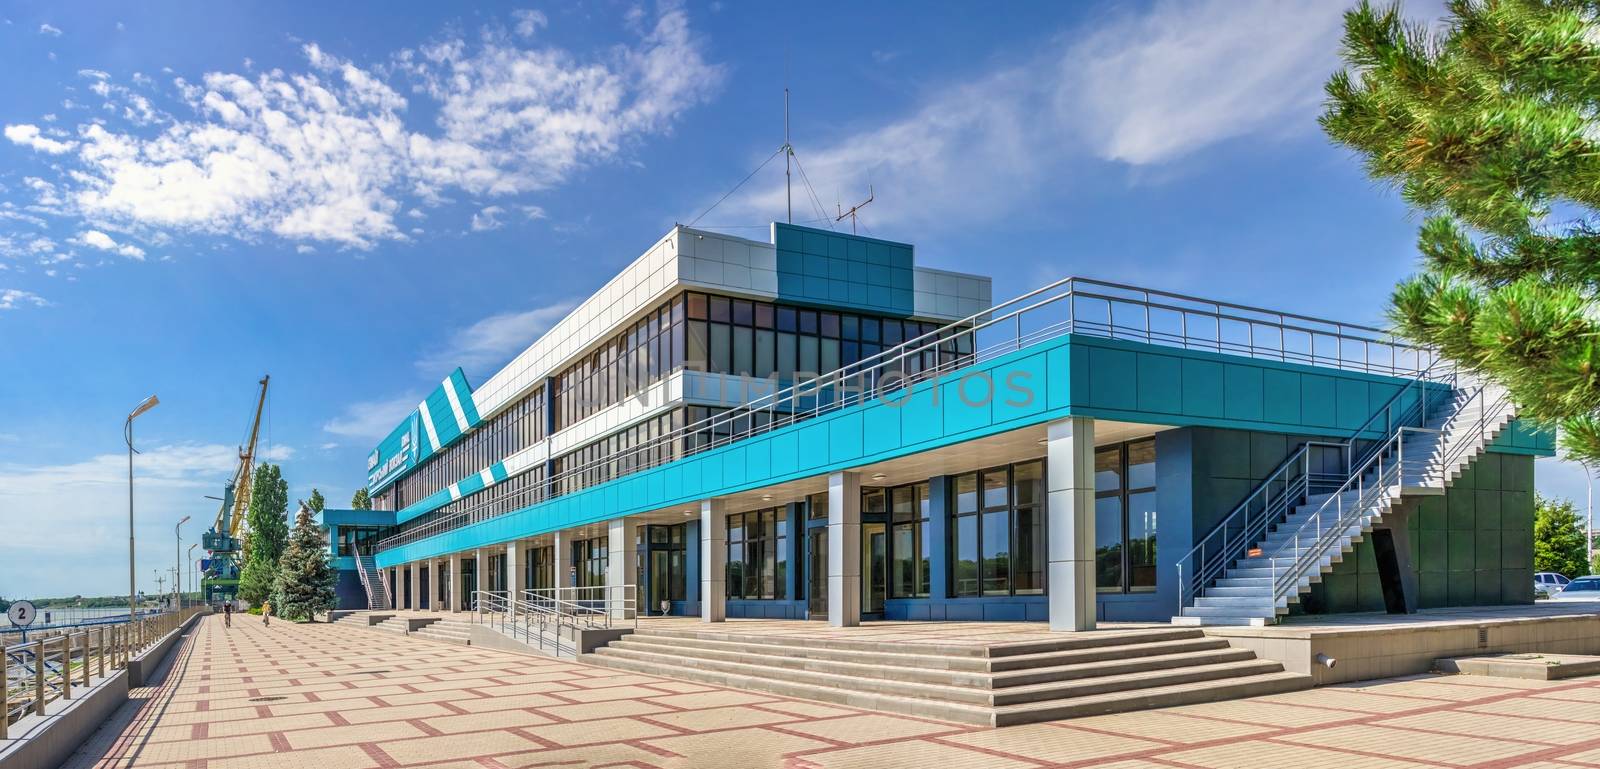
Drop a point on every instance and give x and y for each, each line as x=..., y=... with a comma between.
x=1388, y=466
x=533, y=623
x=593, y=607
x=1299, y=476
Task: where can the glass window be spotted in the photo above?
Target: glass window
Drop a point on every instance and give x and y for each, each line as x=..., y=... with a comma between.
x=1125, y=517
x=786, y=319
x=697, y=306
x=758, y=555
x=766, y=354
x=717, y=309
x=763, y=315
x=965, y=576
x=744, y=363
x=909, y=546
x=743, y=313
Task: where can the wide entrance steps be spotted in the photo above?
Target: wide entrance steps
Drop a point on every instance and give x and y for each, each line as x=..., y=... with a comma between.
x=991, y=685
x=450, y=631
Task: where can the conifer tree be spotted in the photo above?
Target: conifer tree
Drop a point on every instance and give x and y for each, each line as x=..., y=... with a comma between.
x=1487, y=124
x=360, y=501
x=269, y=533
x=305, y=578
x=315, y=502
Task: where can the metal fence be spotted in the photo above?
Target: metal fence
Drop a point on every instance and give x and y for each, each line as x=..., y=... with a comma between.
x=49, y=667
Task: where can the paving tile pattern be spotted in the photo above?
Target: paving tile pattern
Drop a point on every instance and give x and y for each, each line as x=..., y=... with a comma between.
x=334, y=697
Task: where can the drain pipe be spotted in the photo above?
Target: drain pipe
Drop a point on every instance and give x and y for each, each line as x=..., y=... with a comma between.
x=1324, y=660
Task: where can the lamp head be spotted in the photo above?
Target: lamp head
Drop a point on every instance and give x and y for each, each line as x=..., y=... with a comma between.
x=184, y=521
x=144, y=405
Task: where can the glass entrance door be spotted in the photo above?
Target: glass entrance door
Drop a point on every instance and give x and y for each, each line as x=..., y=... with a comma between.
x=874, y=561
x=659, y=576
x=817, y=573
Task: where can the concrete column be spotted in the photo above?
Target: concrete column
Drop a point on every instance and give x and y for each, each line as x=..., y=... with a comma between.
x=562, y=552
x=622, y=564
x=480, y=572
x=453, y=573
x=844, y=549
x=516, y=581
x=713, y=561
x=1069, y=467
x=414, y=600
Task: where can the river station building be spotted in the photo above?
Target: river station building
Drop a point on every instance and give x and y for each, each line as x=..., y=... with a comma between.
x=818, y=427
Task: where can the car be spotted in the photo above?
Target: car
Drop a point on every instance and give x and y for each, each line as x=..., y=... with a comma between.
x=1553, y=580
x=1580, y=589
x=1544, y=590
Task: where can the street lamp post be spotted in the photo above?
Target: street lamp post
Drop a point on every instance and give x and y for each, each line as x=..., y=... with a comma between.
x=177, y=565
x=127, y=432
x=189, y=561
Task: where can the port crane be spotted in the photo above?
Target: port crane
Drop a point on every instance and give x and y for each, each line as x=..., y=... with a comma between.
x=223, y=540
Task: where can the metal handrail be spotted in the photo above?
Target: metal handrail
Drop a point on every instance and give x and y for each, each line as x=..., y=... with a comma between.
x=595, y=606
x=46, y=669
x=1221, y=547
x=1068, y=306
x=1386, y=476
x=534, y=624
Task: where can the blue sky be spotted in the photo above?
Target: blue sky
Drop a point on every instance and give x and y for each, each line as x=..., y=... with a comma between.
x=357, y=197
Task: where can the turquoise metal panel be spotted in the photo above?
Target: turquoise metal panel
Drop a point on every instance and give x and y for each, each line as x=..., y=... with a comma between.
x=408, y=445
x=974, y=392
x=1110, y=373
x=1161, y=384
x=1243, y=394
x=833, y=269
x=1204, y=392
x=1317, y=407
x=1019, y=387
x=1280, y=396
x=1351, y=405
x=845, y=437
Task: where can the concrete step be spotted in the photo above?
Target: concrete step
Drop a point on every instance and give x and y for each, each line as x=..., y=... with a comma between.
x=949, y=693
x=1068, y=642
x=1111, y=702
x=1162, y=644
x=1168, y=655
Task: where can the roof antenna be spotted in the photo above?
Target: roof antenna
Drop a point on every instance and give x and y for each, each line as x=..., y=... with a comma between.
x=788, y=152
x=853, y=209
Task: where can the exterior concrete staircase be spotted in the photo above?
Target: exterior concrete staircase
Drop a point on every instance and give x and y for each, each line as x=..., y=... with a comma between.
x=1076, y=675
x=450, y=631
x=1260, y=582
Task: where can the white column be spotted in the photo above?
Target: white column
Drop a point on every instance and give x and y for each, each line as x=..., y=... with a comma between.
x=1069, y=467
x=515, y=583
x=844, y=549
x=713, y=561
x=480, y=572
x=561, y=550
x=453, y=570
x=415, y=604
x=622, y=565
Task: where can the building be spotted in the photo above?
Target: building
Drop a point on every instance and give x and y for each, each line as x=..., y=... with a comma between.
x=817, y=427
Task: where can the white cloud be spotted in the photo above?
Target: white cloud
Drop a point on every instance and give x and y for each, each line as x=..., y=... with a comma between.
x=529, y=21
x=1145, y=89
x=104, y=242
x=46, y=29
x=487, y=219
x=327, y=154
x=486, y=345
x=12, y=298
x=371, y=420
x=305, y=249
x=29, y=136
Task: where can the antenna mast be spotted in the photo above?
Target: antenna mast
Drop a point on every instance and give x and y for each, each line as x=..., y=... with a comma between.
x=788, y=152
x=853, y=209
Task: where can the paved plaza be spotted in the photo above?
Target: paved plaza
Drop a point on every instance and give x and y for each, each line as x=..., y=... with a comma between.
x=335, y=697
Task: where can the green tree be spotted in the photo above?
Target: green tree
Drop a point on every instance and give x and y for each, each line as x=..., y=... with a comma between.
x=1558, y=538
x=269, y=533
x=361, y=501
x=1487, y=125
x=316, y=502
x=305, y=578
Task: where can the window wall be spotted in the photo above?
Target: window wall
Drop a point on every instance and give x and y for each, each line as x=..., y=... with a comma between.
x=758, y=555
x=590, y=557
x=910, y=548
x=511, y=494
x=358, y=540
x=540, y=567
x=1125, y=517
x=998, y=531
x=504, y=434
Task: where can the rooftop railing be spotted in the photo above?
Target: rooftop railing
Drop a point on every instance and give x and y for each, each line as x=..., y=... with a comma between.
x=1069, y=306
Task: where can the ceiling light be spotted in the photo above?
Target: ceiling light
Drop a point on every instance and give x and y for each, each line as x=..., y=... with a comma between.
x=766, y=497
x=878, y=476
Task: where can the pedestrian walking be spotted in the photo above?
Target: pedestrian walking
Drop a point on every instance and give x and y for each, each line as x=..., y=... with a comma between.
x=266, y=612
x=227, y=614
